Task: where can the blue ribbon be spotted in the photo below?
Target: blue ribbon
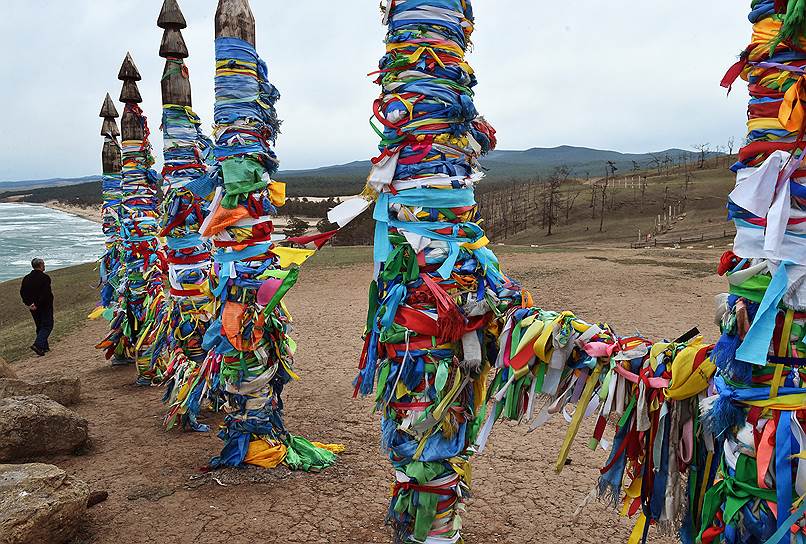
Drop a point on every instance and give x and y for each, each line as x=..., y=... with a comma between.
x=757, y=341
x=783, y=469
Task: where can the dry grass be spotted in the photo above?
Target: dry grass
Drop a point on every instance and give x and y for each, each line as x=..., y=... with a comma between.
x=705, y=212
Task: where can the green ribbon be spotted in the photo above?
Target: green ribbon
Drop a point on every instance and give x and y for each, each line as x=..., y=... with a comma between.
x=753, y=288
x=734, y=492
x=242, y=176
x=424, y=509
x=303, y=455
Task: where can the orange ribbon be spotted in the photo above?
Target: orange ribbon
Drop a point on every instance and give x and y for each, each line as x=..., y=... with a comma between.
x=792, y=113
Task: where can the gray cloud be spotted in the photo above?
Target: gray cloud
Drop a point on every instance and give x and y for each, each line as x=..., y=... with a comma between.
x=630, y=76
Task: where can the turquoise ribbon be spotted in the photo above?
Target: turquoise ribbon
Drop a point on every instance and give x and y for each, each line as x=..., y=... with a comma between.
x=226, y=257
x=785, y=528
x=189, y=241
x=427, y=198
x=756, y=343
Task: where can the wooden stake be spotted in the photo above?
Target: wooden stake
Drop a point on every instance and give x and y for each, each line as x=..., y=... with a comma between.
x=234, y=19
x=130, y=125
x=110, y=155
x=175, y=81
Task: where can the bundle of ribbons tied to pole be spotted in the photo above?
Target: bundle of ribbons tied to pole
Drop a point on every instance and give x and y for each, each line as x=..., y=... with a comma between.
x=249, y=347
x=438, y=294
x=111, y=267
x=141, y=292
x=709, y=439
x=186, y=188
x=143, y=259
x=177, y=342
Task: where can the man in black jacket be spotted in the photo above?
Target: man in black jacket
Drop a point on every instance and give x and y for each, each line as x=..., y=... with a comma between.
x=38, y=296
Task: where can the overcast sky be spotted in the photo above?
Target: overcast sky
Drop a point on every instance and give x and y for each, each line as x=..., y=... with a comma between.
x=628, y=76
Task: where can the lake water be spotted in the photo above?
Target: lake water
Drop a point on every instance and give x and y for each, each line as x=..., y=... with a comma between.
x=61, y=239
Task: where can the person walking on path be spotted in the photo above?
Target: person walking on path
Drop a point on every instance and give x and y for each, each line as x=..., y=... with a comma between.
x=36, y=293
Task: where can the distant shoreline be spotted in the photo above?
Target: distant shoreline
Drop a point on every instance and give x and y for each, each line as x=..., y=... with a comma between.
x=84, y=212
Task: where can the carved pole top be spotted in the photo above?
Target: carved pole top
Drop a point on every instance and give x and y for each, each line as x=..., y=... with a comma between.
x=129, y=74
x=128, y=71
x=234, y=19
x=110, y=153
x=171, y=16
x=175, y=83
x=108, y=108
x=171, y=19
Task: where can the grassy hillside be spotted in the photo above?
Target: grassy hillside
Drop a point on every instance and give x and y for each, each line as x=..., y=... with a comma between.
x=703, y=211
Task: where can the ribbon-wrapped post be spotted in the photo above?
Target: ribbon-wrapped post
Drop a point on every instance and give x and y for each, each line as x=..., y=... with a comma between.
x=141, y=291
x=187, y=190
x=756, y=410
x=248, y=340
x=111, y=268
x=435, y=304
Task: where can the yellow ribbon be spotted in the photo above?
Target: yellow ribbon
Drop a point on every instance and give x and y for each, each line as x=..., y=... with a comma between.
x=579, y=412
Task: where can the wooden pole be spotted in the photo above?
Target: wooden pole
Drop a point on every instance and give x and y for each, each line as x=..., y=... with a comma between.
x=253, y=402
x=130, y=125
x=234, y=19
x=111, y=270
x=141, y=263
x=175, y=81
x=184, y=150
x=110, y=156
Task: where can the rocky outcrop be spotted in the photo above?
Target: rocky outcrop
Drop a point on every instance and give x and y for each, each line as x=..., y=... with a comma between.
x=5, y=370
x=37, y=426
x=65, y=391
x=39, y=503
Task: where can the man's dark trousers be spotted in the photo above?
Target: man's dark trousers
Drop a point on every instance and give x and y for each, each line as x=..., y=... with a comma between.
x=44, y=326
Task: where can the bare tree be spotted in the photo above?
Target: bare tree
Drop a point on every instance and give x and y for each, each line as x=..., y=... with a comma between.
x=643, y=181
x=296, y=227
x=721, y=155
x=731, y=143
x=704, y=149
x=667, y=163
x=656, y=161
x=610, y=170
x=687, y=174
x=570, y=199
x=552, y=199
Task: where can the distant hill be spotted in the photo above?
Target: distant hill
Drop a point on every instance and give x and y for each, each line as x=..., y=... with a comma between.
x=43, y=183
x=346, y=179
x=582, y=161
x=500, y=166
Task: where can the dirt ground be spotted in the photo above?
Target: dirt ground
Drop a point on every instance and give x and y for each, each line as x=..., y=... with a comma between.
x=159, y=494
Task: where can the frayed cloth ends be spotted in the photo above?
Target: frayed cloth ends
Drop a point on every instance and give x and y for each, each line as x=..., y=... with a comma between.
x=719, y=414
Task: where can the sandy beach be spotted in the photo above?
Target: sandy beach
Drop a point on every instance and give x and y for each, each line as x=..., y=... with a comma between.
x=85, y=212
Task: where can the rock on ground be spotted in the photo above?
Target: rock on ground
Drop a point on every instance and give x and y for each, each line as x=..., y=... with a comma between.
x=5, y=370
x=65, y=391
x=35, y=426
x=39, y=503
